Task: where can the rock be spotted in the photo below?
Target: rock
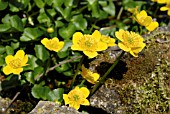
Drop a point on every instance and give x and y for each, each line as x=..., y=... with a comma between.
x=48, y=107
x=4, y=102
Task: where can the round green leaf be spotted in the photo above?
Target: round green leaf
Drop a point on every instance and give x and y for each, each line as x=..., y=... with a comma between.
x=3, y=5
x=9, y=50
x=56, y=95
x=41, y=52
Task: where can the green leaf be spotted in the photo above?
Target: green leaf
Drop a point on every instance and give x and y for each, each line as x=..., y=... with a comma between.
x=67, y=32
x=31, y=63
x=63, y=54
x=56, y=95
x=49, y=2
x=68, y=73
x=30, y=76
x=4, y=27
x=110, y=8
x=40, y=92
x=16, y=22
x=58, y=3
x=3, y=5
x=2, y=49
x=43, y=18
x=67, y=44
x=68, y=3
x=13, y=8
x=9, y=50
x=59, y=24
x=2, y=60
x=15, y=45
x=31, y=34
x=41, y=52
x=63, y=67
x=79, y=22
x=39, y=3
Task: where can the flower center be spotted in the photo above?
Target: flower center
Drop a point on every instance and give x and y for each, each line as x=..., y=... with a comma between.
x=76, y=97
x=130, y=40
x=15, y=63
x=51, y=44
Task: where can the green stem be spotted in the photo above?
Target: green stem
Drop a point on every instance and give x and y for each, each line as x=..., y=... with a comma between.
x=82, y=83
x=76, y=73
x=106, y=74
x=120, y=13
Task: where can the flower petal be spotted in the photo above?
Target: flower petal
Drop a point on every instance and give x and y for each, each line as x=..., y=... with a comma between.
x=44, y=41
x=86, y=102
x=20, y=54
x=17, y=71
x=76, y=47
x=7, y=70
x=123, y=47
x=66, y=100
x=119, y=34
x=8, y=59
x=85, y=91
x=60, y=46
x=169, y=12
x=97, y=35
x=55, y=39
x=132, y=53
x=95, y=76
x=74, y=105
x=101, y=46
x=76, y=37
x=164, y=8
x=152, y=26
x=25, y=60
x=90, y=54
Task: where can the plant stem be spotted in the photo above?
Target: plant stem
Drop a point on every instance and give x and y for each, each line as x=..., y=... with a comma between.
x=102, y=79
x=82, y=82
x=77, y=70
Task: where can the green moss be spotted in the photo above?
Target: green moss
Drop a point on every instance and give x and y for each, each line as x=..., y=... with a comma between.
x=144, y=88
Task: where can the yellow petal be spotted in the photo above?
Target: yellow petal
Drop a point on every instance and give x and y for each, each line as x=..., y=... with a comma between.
x=132, y=53
x=119, y=34
x=66, y=100
x=7, y=70
x=85, y=91
x=86, y=102
x=76, y=37
x=74, y=105
x=152, y=26
x=44, y=41
x=97, y=35
x=142, y=13
x=112, y=42
x=55, y=39
x=101, y=46
x=60, y=46
x=20, y=54
x=95, y=76
x=164, y=8
x=76, y=47
x=8, y=59
x=25, y=60
x=17, y=71
x=90, y=54
x=123, y=47
x=169, y=12
x=147, y=21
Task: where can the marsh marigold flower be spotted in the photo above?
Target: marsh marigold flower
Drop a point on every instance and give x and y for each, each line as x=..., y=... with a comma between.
x=166, y=8
x=89, y=75
x=89, y=44
x=143, y=19
x=77, y=97
x=130, y=42
x=53, y=44
x=108, y=40
x=15, y=63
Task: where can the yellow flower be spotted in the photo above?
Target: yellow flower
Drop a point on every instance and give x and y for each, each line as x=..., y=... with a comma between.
x=165, y=8
x=134, y=11
x=152, y=26
x=130, y=42
x=89, y=44
x=89, y=75
x=77, y=97
x=52, y=44
x=143, y=19
x=15, y=63
x=160, y=1
x=108, y=40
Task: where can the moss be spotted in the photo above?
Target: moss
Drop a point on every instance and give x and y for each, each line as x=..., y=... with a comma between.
x=145, y=86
